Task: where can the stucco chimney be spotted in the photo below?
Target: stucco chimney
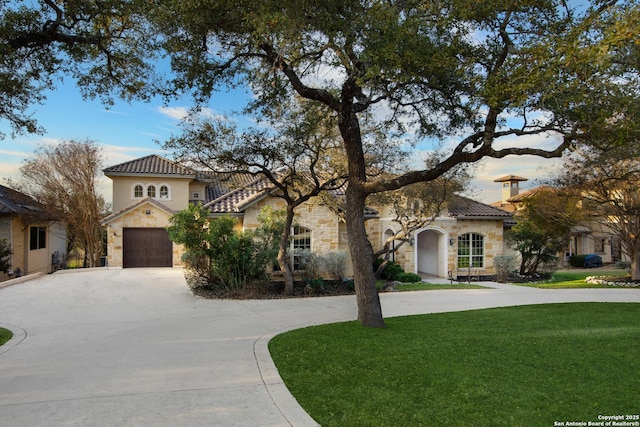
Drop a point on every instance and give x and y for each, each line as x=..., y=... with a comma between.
x=510, y=186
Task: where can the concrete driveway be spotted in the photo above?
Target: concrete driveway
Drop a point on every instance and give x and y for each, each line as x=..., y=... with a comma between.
x=134, y=347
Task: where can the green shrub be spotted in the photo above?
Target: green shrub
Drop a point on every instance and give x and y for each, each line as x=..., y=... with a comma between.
x=335, y=264
x=316, y=285
x=348, y=284
x=625, y=265
x=409, y=278
x=505, y=264
x=216, y=255
x=311, y=264
x=391, y=271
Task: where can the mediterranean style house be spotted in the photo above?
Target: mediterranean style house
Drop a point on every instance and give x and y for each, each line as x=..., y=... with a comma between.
x=464, y=239
x=588, y=237
x=37, y=238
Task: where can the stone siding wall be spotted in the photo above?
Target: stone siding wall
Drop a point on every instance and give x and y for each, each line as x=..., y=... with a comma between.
x=137, y=218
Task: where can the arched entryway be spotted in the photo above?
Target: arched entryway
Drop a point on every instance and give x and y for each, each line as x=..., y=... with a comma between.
x=431, y=252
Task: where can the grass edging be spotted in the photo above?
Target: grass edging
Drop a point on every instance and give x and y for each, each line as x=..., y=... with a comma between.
x=5, y=335
x=527, y=365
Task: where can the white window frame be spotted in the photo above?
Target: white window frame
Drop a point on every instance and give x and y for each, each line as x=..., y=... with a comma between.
x=300, y=240
x=475, y=246
x=168, y=195
x=133, y=191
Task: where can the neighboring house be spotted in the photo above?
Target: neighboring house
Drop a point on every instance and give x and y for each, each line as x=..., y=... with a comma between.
x=588, y=237
x=147, y=191
x=36, y=236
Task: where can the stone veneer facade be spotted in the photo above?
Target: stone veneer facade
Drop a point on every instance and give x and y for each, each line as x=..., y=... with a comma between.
x=137, y=218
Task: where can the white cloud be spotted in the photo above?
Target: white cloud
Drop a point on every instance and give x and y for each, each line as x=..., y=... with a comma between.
x=114, y=112
x=15, y=153
x=177, y=113
x=181, y=113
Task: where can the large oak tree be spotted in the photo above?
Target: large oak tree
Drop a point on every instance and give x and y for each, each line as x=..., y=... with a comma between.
x=456, y=69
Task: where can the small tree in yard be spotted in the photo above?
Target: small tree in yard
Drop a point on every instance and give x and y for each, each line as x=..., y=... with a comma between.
x=542, y=229
x=218, y=256
x=536, y=247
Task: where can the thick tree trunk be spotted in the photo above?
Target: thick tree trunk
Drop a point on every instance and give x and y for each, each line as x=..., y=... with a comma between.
x=369, y=308
x=283, y=258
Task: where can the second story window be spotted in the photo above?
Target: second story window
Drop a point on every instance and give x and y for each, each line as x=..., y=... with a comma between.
x=151, y=191
x=164, y=192
x=137, y=191
x=196, y=195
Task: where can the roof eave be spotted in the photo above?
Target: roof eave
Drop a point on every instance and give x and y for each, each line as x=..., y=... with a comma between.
x=148, y=175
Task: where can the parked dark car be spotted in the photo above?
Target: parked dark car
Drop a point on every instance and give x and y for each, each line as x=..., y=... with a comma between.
x=592, y=261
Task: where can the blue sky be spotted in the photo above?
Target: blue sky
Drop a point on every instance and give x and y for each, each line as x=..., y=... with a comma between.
x=127, y=131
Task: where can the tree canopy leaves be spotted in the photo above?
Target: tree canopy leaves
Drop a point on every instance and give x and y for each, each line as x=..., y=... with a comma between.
x=105, y=45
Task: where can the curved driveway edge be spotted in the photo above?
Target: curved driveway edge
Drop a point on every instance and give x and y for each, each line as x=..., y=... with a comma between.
x=134, y=347
x=282, y=397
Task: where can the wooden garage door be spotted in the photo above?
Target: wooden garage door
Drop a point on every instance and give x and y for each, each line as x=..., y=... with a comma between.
x=146, y=247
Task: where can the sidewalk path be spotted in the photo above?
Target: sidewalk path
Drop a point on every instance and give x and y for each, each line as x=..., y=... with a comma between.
x=134, y=347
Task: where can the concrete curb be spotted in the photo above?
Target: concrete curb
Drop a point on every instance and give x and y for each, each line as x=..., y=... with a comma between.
x=278, y=391
x=19, y=335
x=22, y=279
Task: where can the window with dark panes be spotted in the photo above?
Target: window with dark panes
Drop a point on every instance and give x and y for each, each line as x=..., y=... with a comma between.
x=37, y=238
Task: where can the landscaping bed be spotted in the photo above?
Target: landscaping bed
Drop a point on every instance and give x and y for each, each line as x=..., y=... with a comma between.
x=275, y=290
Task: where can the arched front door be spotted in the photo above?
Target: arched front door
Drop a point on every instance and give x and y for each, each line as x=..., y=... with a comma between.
x=431, y=252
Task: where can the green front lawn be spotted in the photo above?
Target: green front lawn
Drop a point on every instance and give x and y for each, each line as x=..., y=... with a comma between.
x=516, y=366
x=576, y=279
x=5, y=335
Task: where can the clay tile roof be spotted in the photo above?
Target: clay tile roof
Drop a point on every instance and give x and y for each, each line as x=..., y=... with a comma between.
x=463, y=207
x=150, y=165
x=531, y=193
x=236, y=200
x=221, y=184
x=510, y=178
